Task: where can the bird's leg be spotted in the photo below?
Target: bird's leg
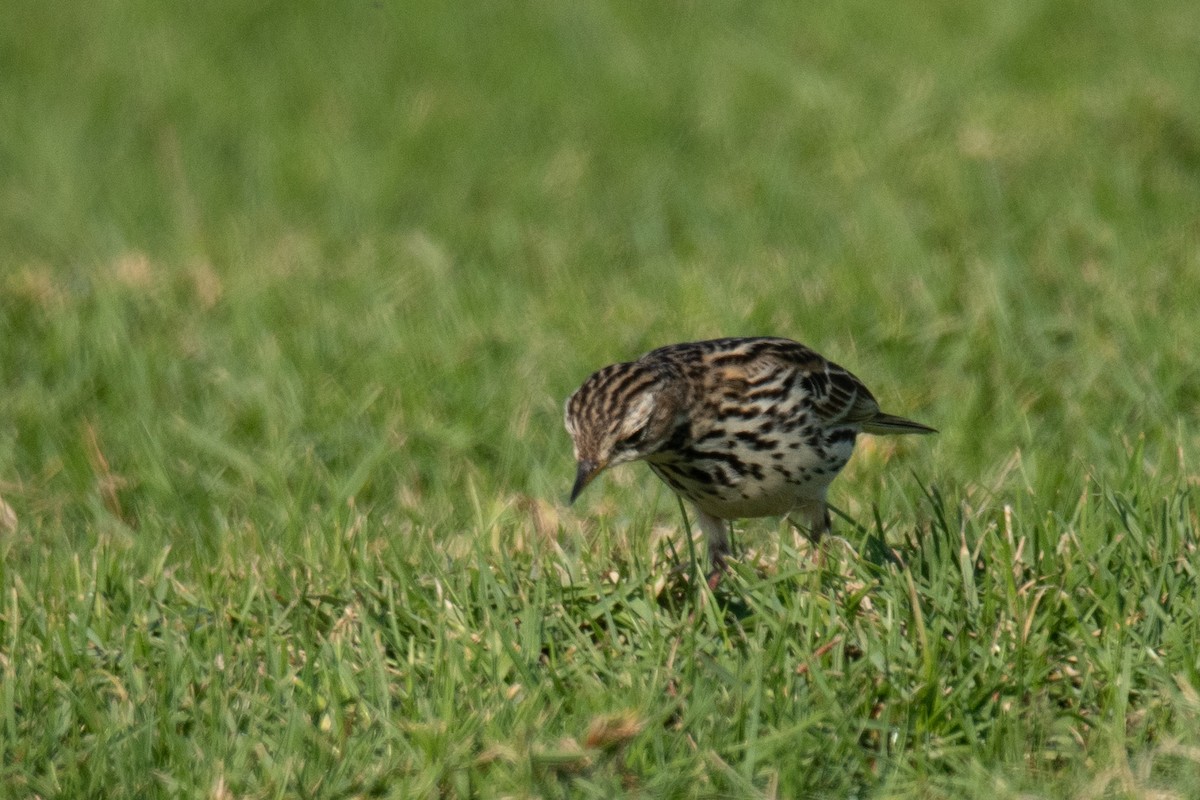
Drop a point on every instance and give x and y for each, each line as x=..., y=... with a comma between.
x=716, y=532
x=814, y=523
x=693, y=562
x=718, y=544
x=813, y=520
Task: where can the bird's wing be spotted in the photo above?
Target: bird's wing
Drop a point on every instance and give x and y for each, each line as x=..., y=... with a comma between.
x=848, y=399
x=738, y=369
x=837, y=396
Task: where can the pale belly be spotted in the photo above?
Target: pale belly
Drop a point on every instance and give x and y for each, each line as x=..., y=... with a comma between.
x=741, y=488
x=768, y=500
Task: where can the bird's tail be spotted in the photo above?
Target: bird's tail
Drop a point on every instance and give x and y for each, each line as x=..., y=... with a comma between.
x=883, y=424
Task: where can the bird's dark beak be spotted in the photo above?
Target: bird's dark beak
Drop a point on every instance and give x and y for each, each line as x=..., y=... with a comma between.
x=583, y=476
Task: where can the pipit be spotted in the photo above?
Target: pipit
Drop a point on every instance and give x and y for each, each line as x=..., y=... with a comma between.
x=753, y=427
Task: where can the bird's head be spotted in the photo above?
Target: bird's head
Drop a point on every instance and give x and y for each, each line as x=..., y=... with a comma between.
x=621, y=413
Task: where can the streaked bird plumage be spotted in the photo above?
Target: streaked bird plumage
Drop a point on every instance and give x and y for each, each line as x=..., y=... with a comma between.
x=740, y=427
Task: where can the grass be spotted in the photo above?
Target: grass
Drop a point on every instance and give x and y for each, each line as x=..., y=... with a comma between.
x=290, y=296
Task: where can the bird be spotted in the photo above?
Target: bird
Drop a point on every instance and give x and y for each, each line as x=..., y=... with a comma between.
x=740, y=427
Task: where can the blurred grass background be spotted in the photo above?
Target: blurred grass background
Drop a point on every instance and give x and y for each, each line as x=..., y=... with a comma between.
x=291, y=294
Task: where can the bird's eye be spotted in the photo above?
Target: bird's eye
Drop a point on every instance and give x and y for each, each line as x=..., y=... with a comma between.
x=636, y=437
